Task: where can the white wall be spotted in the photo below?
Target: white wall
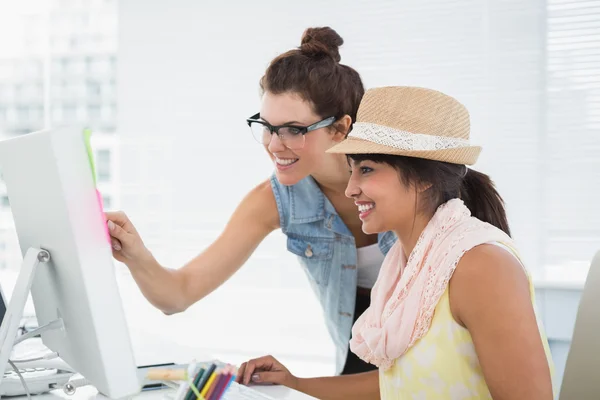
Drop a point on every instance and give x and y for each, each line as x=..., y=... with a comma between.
x=189, y=77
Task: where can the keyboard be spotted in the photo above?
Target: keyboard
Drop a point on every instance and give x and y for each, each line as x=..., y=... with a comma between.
x=39, y=380
x=241, y=392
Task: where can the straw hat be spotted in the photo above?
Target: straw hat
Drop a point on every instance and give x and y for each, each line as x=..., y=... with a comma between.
x=413, y=122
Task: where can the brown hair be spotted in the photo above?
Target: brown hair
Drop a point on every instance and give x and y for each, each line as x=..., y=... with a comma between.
x=314, y=72
x=448, y=181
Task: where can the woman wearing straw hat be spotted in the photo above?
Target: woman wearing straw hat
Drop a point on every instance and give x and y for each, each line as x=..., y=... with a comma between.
x=309, y=103
x=451, y=314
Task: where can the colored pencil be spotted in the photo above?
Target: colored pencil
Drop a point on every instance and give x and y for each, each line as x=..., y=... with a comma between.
x=182, y=391
x=220, y=387
x=190, y=395
x=207, y=375
x=215, y=385
x=231, y=379
x=209, y=383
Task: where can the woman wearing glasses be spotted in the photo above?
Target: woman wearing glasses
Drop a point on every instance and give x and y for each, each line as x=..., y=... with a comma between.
x=309, y=103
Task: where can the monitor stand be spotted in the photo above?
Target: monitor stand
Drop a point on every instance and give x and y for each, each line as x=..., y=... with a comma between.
x=10, y=324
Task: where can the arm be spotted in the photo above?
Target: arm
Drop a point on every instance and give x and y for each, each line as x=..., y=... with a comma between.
x=364, y=386
x=489, y=295
x=175, y=290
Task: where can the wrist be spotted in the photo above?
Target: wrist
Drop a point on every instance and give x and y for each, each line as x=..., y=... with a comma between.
x=298, y=384
x=145, y=262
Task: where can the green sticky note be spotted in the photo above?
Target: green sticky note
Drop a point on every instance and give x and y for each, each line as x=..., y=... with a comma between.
x=87, y=135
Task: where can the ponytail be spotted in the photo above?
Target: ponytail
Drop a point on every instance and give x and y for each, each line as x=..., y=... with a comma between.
x=481, y=198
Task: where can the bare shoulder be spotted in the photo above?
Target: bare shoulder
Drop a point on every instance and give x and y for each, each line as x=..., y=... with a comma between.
x=260, y=205
x=489, y=260
x=486, y=275
x=263, y=191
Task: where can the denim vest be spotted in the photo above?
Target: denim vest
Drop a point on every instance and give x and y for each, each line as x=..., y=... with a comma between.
x=327, y=252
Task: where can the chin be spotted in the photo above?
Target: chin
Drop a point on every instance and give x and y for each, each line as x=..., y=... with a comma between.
x=288, y=179
x=372, y=226
x=370, y=229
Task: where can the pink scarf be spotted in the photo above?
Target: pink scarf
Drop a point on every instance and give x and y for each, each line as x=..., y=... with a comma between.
x=406, y=293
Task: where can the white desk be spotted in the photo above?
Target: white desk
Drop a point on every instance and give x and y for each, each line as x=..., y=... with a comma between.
x=151, y=350
x=89, y=393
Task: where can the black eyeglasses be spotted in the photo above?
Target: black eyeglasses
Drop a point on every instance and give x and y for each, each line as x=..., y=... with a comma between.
x=292, y=136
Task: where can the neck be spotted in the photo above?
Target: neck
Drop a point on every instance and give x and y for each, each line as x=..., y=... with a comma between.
x=334, y=178
x=409, y=233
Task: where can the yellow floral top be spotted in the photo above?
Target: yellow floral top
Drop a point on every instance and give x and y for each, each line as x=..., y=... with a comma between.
x=442, y=364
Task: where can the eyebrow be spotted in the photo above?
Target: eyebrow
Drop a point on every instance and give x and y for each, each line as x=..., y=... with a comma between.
x=284, y=124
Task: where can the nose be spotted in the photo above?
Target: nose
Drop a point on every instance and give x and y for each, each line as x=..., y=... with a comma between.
x=353, y=189
x=275, y=145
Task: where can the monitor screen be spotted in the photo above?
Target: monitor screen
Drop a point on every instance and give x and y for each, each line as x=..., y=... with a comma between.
x=54, y=202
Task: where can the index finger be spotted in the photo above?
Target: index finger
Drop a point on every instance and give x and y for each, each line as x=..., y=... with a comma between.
x=240, y=373
x=248, y=371
x=118, y=217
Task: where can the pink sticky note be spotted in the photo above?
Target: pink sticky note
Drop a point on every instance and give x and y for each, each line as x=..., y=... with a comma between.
x=101, y=205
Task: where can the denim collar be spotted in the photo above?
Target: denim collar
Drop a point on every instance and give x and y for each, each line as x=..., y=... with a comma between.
x=308, y=203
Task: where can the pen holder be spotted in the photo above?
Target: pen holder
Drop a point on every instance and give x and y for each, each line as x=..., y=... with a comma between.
x=207, y=381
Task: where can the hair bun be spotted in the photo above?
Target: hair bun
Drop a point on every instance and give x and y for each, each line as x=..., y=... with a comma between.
x=321, y=41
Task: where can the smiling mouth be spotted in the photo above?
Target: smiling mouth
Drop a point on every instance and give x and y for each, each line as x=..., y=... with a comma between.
x=365, y=207
x=284, y=162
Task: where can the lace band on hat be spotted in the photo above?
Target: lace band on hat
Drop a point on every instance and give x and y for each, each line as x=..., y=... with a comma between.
x=403, y=140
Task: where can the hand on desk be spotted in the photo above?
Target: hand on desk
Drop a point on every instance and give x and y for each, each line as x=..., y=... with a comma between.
x=266, y=370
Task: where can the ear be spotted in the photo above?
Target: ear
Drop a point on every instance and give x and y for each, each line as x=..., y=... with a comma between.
x=423, y=187
x=342, y=128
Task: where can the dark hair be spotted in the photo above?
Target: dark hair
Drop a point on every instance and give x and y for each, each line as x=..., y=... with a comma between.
x=314, y=72
x=448, y=181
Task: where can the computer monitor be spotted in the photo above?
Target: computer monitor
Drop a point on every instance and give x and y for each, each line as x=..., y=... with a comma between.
x=53, y=198
x=2, y=304
x=580, y=379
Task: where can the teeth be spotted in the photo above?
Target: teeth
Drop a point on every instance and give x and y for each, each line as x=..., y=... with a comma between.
x=285, y=161
x=365, y=207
